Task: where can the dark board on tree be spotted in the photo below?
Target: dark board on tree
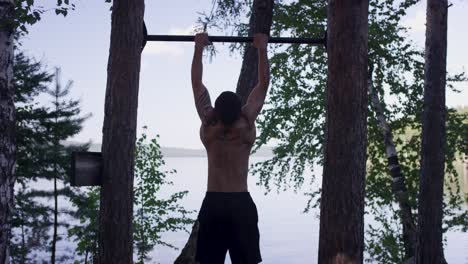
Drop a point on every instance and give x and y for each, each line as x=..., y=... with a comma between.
x=86, y=169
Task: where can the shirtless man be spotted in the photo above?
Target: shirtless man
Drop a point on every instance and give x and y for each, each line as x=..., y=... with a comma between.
x=228, y=216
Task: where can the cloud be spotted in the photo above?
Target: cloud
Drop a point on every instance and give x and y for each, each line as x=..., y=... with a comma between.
x=169, y=48
x=417, y=22
x=163, y=48
x=189, y=30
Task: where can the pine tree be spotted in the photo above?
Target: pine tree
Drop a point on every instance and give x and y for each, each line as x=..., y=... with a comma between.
x=31, y=220
x=119, y=132
x=433, y=137
x=64, y=121
x=42, y=157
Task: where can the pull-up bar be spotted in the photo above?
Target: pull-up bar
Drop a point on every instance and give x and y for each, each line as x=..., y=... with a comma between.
x=188, y=38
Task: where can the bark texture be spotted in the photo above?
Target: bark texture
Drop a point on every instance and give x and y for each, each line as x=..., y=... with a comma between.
x=260, y=22
x=7, y=128
x=187, y=256
x=119, y=132
x=430, y=247
x=398, y=179
x=341, y=235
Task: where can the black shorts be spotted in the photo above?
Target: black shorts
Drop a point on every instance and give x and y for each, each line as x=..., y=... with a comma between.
x=228, y=221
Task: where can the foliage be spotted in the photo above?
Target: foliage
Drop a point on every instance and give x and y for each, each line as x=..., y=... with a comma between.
x=30, y=81
x=63, y=122
x=31, y=223
x=41, y=156
x=295, y=113
x=31, y=220
x=86, y=232
x=153, y=214
x=28, y=13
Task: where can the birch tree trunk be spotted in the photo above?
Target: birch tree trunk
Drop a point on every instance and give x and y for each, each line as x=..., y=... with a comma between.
x=7, y=128
x=431, y=185
x=119, y=132
x=341, y=236
x=398, y=179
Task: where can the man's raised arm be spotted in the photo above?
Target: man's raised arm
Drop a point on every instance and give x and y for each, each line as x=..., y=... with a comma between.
x=256, y=98
x=200, y=93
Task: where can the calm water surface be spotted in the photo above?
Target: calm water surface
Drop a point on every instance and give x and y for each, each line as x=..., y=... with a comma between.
x=287, y=235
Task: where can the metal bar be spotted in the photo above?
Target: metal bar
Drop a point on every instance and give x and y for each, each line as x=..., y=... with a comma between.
x=189, y=38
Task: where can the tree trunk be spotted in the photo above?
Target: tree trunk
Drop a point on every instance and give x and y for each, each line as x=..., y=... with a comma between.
x=187, y=256
x=119, y=132
x=7, y=128
x=398, y=179
x=260, y=22
x=54, y=236
x=86, y=257
x=342, y=201
x=430, y=248
x=23, y=242
x=56, y=144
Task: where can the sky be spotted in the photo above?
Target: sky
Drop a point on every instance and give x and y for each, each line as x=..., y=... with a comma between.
x=79, y=45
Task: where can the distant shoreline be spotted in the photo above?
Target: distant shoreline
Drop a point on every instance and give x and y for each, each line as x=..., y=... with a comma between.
x=171, y=152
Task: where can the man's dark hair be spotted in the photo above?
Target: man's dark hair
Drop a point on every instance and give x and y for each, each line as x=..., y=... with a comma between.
x=228, y=108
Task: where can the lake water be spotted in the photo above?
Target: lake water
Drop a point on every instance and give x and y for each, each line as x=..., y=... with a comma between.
x=287, y=235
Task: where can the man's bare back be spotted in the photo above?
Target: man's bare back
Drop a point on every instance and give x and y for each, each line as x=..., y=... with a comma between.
x=228, y=154
x=228, y=145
